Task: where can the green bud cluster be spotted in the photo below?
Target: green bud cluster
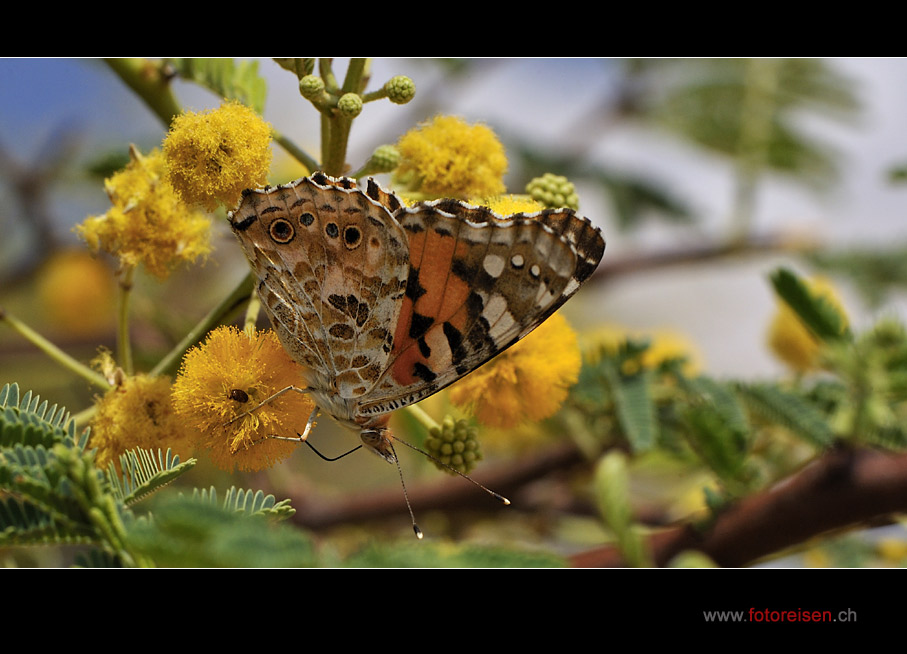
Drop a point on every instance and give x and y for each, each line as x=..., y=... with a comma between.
x=384, y=159
x=311, y=87
x=455, y=444
x=350, y=105
x=400, y=89
x=554, y=191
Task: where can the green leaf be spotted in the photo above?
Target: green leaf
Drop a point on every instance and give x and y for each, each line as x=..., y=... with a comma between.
x=231, y=79
x=634, y=406
x=418, y=554
x=144, y=472
x=190, y=531
x=817, y=313
x=612, y=492
x=247, y=501
x=722, y=447
x=792, y=411
x=23, y=523
x=301, y=66
x=30, y=421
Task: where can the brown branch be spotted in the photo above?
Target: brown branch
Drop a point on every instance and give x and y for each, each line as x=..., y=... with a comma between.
x=842, y=488
x=616, y=266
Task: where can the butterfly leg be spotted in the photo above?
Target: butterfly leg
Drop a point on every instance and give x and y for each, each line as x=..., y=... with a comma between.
x=271, y=399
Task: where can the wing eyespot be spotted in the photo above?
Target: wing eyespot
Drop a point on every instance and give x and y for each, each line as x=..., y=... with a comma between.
x=281, y=231
x=352, y=237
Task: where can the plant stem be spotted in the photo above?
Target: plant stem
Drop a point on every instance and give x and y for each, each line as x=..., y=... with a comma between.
x=419, y=414
x=146, y=78
x=53, y=351
x=216, y=316
x=298, y=153
x=124, y=344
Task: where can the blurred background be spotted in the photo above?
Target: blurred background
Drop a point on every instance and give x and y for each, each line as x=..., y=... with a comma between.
x=704, y=176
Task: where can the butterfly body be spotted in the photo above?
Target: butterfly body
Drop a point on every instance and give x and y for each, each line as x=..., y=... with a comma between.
x=384, y=305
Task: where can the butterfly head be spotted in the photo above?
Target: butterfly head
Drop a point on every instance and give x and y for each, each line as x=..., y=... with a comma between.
x=377, y=439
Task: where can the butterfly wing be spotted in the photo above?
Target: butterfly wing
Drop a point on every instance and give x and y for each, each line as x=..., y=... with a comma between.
x=332, y=265
x=477, y=284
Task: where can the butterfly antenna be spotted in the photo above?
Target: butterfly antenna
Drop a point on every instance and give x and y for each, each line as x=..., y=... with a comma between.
x=497, y=496
x=405, y=495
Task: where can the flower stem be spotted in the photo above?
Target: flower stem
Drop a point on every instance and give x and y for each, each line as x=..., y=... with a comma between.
x=146, y=78
x=53, y=351
x=124, y=344
x=298, y=153
x=216, y=316
x=335, y=132
x=419, y=414
x=252, y=314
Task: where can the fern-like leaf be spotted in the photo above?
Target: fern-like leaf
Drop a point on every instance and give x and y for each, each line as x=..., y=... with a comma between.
x=634, y=406
x=247, y=501
x=31, y=422
x=795, y=413
x=817, y=313
x=23, y=523
x=226, y=77
x=144, y=473
x=97, y=559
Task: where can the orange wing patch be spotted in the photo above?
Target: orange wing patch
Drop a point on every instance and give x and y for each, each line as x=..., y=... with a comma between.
x=435, y=294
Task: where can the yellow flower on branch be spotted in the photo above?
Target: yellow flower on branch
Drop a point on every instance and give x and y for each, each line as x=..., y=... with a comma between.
x=137, y=413
x=790, y=340
x=147, y=223
x=528, y=382
x=447, y=157
x=213, y=156
x=229, y=375
x=663, y=345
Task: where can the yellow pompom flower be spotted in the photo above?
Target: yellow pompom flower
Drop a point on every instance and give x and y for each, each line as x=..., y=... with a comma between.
x=147, y=223
x=790, y=340
x=137, y=413
x=507, y=205
x=447, y=157
x=528, y=382
x=230, y=374
x=78, y=293
x=213, y=156
x=664, y=345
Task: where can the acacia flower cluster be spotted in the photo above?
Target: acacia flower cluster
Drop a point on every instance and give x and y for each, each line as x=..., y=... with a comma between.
x=147, y=222
x=218, y=391
x=213, y=156
x=528, y=382
x=449, y=158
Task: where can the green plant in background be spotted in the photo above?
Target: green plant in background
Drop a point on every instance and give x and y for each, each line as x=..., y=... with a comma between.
x=618, y=407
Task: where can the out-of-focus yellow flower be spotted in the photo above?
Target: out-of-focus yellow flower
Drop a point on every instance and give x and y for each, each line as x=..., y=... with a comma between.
x=507, y=205
x=447, y=157
x=213, y=156
x=664, y=345
x=790, y=340
x=137, y=413
x=892, y=551
x=147, y=223
x=230, y=374
x=78, y=293
x=528, y=382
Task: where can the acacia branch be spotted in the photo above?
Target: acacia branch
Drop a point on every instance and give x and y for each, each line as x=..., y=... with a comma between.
x=842, y=488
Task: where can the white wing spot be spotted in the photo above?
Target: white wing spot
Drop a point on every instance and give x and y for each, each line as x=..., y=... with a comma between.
x=493, y=265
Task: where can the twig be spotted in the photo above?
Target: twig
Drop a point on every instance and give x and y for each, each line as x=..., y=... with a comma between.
x=845, y=487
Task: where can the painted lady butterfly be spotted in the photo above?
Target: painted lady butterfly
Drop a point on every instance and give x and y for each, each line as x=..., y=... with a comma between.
x=385, y=304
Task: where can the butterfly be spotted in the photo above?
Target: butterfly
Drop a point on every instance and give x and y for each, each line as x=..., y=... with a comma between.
x=384, y=304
